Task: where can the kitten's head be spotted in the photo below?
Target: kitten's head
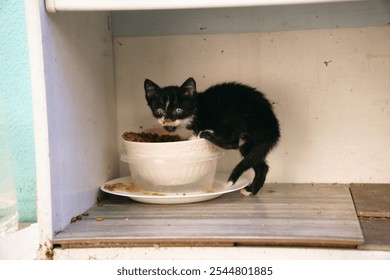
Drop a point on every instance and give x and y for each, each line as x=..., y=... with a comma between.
x=172, y=105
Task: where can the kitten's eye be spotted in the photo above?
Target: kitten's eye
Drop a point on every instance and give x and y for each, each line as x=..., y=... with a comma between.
x=178, y=110
x=159, y=111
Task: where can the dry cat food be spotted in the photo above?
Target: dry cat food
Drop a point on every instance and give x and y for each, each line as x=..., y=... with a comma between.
x=150, y=137
x=129, y=188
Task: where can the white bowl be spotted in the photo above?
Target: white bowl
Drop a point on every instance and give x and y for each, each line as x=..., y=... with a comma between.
x=173, y=175
x=172, y=167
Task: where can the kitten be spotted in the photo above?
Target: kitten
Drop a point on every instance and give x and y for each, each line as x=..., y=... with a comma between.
x=230, y=115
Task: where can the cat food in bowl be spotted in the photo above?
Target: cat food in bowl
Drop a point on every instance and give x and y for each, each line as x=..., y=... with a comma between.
x=172, y=167
x=152, y=145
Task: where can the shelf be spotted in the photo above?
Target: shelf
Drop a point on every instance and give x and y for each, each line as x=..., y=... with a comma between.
x=152, y=17
x=251, y=19
x=282, y=214
x=121, y=5
x=327, y=77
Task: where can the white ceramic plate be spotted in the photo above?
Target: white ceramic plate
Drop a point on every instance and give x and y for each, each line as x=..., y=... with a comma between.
x=219, y=188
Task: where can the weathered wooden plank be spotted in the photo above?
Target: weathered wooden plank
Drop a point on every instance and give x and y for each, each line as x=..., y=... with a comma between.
x=280, y=214
x=218, y=212
x=203, y=228
x=376, y=232
x=371, y=200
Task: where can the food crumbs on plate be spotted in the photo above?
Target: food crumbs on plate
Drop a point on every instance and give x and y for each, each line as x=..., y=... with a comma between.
x=99, y=219
x=117, y=186
x=131, y=188
x=155, y=193
x=208, y=191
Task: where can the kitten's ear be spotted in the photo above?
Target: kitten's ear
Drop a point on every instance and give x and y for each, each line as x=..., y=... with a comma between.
x=151, y=89
x=189, y=87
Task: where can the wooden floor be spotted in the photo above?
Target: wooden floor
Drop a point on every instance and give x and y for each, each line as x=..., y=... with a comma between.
x=372, y=202
x=281, y=214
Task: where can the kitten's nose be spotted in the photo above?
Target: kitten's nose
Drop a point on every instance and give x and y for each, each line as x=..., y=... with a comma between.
x=167, y=121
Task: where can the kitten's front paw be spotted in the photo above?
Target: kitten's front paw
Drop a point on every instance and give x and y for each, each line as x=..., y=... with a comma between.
x=207, y=133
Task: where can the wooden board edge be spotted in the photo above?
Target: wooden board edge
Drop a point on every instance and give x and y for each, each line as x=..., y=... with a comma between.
x=223, y=242
x=374, y=247
x=372, y=214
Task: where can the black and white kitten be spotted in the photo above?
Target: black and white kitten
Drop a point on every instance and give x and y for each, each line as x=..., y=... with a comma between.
x=230, y=115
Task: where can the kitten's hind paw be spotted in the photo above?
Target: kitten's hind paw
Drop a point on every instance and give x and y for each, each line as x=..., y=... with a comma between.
x=244, y=192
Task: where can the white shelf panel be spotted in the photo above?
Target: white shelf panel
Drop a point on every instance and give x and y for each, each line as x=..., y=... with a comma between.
x=122, y=5
x=251, y=19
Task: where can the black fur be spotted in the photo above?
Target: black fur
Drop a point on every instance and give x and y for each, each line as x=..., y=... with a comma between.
x=224, y=114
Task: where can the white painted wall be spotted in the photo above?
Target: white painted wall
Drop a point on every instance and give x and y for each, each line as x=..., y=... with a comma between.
x=331, y=90
x=71, y=61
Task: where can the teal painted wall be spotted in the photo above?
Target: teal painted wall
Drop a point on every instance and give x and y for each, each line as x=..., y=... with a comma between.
x=16, y=92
